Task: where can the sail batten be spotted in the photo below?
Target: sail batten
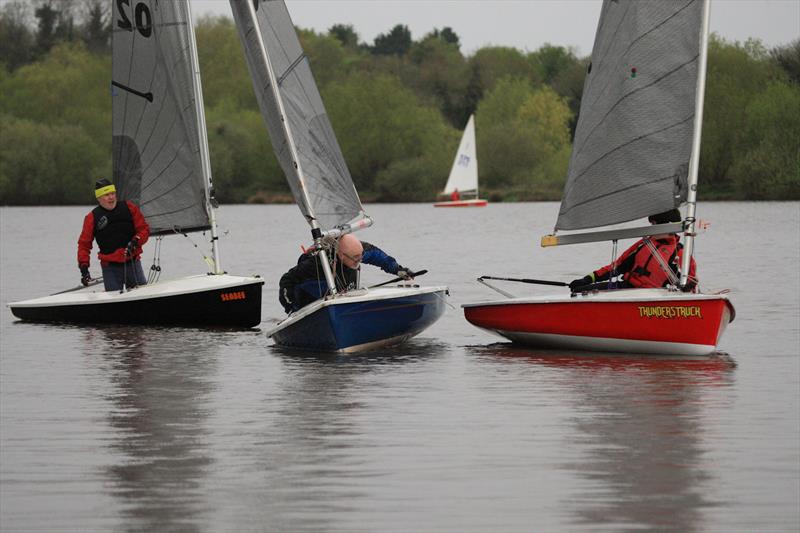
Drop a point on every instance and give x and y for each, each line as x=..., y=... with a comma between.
x=298, y=125
x=633, y=140
x=156, y=148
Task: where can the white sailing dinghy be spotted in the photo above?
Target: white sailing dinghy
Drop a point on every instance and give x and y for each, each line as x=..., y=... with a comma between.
x=311, y=159
x=635, y=154
x=463, y=179
x=161, y=163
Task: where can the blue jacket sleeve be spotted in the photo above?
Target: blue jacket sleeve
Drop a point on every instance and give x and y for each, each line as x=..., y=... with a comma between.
x=377, y=257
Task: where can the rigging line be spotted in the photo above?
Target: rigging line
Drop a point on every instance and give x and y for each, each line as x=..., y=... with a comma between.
x=585, y=139
x=612, y=193
x=643, y=35
x=621, y=146
x=208, y=261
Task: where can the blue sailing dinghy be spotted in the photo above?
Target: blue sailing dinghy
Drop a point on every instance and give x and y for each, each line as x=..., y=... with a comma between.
x=309, y=154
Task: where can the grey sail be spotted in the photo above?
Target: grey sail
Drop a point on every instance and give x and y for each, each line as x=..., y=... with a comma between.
x=634, y=136
x=319, y=178
x=156, y=147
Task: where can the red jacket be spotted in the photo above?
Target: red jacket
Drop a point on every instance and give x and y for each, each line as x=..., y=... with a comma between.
x=141, y=231
x=640, y=269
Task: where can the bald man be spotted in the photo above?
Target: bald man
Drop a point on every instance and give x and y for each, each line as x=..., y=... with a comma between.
x=305, y=283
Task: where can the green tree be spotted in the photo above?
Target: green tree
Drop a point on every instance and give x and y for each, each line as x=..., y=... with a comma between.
x=788, y=58
x=493, y=63
x=397, y=42
x=379, y=122
x=769, y=167
x=441, y=77
x=737, y=73
x=222, y=65
x=69, y=86
x=345, y=34
x=523, y=138
x=16, y=40
x=551, y=61
x=96, y=28
x=47, y=165
x=242, y=159
x=326, y=55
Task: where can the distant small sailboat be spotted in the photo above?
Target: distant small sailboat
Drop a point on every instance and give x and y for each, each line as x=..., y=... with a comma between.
x=635, y=153
x=161, y=163
x=309, y=154
x=463, y=179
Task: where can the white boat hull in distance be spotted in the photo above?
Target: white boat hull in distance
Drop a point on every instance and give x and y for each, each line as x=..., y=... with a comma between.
x=475, y=202
x=363, y=319
x=642, y=321
x=205, y=300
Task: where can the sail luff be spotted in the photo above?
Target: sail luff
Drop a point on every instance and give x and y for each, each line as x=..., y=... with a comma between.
x=202, y=133
x=273, y=84
x=694, y=162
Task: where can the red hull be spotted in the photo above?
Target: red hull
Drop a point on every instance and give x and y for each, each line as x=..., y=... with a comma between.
x=462, y=203
x=684, y=324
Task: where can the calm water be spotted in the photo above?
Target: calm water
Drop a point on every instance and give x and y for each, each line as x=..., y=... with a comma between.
x=134, y=429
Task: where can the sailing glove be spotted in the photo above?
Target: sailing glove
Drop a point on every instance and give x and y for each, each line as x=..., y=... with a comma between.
x=405, y=273
x=131, y=248
x=85, y=276
x=585, y=280
x=286, y=302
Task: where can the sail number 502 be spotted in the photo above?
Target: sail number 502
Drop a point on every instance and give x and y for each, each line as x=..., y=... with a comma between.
x=141, y=15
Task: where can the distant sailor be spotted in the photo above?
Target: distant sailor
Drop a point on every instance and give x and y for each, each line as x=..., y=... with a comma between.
x=305, y=283
x=120, y=231
x=637, y=265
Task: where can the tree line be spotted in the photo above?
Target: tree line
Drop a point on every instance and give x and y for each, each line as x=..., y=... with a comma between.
x=398, y=106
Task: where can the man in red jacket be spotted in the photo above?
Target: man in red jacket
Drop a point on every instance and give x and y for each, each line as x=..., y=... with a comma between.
x=638, y=267
x=120, y=231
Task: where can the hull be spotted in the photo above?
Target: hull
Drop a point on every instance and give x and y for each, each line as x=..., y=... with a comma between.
x=463, y=203
x=645, y=321
x=207, y=300
x=361, y=320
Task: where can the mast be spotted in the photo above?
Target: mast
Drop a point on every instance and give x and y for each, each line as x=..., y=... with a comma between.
x=316, y=231
x=202, y=135
x=694, y=161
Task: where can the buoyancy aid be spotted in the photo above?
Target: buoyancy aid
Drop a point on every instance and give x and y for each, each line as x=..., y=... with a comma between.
x=113, y=229
x=637, y=265
x=646, y=271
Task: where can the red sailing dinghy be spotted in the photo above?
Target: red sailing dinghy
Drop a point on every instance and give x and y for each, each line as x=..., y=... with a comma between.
x=463, y=177
x=635, y=153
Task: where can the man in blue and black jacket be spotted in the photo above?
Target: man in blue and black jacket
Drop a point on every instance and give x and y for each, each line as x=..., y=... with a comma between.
x=305, y=283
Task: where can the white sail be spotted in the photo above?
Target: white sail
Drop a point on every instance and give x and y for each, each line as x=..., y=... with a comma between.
x=156, y=122
x=464, y=173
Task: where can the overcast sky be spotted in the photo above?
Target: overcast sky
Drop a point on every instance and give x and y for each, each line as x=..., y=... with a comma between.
x=523, y=24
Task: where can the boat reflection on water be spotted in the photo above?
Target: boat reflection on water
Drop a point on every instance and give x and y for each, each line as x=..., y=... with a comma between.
x=642, y=424
x=159, y=450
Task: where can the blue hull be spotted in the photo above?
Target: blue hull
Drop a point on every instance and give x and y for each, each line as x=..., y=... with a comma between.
x=350, y=326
